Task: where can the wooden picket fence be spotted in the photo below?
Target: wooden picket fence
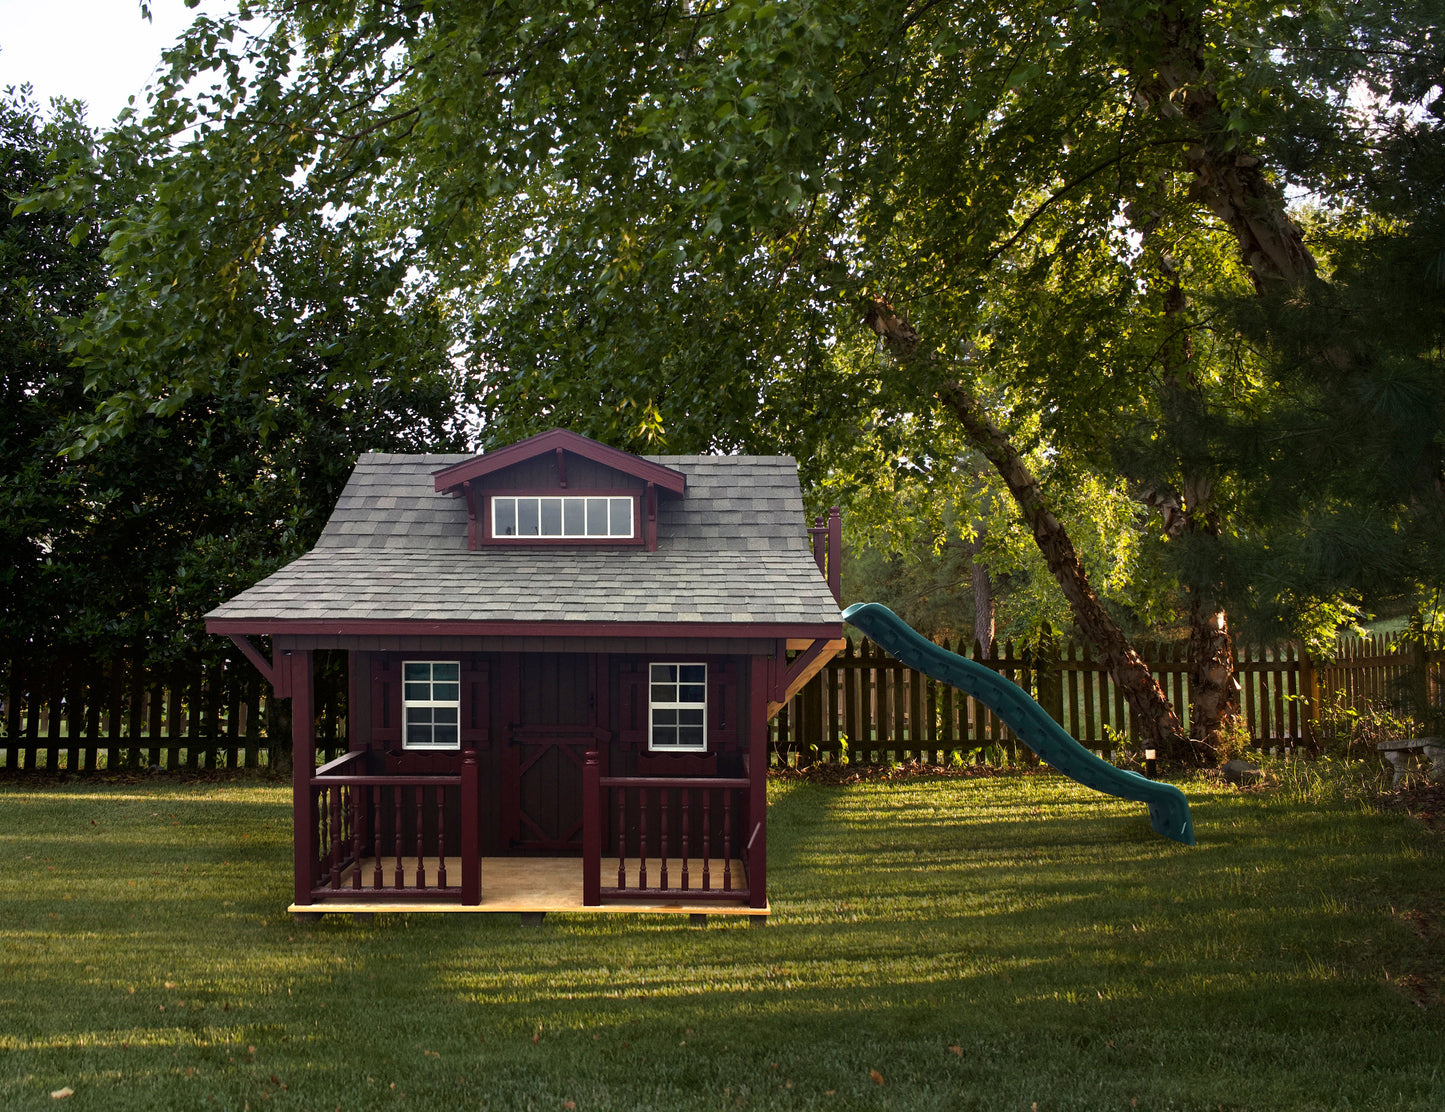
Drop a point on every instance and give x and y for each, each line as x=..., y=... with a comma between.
x=867, y=708
x=79, y=715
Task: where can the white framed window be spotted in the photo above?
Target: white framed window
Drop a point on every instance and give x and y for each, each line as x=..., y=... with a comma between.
x=570, y=515
x=677, y=708
x=431, y=704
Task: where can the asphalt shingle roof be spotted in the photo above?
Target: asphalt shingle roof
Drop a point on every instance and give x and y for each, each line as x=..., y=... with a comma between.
x=734, y=550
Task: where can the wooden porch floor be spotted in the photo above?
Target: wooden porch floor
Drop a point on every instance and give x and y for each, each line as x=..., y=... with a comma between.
x=537, y=884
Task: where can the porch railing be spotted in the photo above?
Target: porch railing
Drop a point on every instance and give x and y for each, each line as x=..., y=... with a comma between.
x=365, y=827
x=681, y=834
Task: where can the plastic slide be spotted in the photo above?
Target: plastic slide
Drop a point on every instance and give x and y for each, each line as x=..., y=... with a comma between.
x=1168, y=809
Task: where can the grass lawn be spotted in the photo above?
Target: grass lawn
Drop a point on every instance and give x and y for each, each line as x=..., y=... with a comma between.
x=1004, y=943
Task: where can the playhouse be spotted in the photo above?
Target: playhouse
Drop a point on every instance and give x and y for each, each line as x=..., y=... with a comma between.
x=562, y=663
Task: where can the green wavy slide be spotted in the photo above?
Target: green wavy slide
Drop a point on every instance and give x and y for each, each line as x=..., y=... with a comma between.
x=1168, y=809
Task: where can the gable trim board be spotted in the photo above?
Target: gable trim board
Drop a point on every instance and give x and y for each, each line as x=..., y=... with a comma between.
x=471, y=468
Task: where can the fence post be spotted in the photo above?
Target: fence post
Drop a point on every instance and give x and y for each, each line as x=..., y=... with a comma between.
x=1309, y=682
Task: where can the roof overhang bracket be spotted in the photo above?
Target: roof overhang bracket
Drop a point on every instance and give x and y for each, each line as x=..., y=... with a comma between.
x=803, y=668
x=268, y=671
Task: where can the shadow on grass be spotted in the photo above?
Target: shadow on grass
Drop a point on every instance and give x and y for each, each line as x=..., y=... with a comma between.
x=976, y=944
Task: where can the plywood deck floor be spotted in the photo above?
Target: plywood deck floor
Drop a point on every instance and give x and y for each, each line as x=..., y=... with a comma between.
x=533, y=884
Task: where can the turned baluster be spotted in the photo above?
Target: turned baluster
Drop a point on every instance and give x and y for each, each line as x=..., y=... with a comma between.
x=321, y=803
x=358, y=800
x=343, y=819
x=686, y=794
x=441, y=838
x=727, y=839
x=376, y=835
x=398, y=877
x=706, y=839
x=336, y=836
x=642, y=838
x=420, y=844
x=622, y=837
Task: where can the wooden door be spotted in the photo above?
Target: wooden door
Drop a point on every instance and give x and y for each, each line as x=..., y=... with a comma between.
x=555, y=720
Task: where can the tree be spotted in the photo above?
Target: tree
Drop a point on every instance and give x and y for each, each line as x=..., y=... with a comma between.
x=122, y=548
x=669, y=223
x=46, y=270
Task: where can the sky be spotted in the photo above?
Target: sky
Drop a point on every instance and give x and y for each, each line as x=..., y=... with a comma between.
x=99, y=51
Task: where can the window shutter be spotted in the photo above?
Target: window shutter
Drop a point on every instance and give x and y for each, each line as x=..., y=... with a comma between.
x=632, y=708
x=722, y=703
x=476, y=701
x=385, y=699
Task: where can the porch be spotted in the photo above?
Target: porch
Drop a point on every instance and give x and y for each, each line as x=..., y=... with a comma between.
x=530, y=885
x=683, y=845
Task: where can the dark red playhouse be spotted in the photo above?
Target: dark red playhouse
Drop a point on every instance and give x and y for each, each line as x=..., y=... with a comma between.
x=563, y=659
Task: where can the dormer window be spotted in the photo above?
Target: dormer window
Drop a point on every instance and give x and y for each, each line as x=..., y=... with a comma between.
x=565, y=516
x=561, y=489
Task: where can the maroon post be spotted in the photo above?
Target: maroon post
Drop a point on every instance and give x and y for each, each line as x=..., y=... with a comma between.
x=303, y=765
x=835, y=554
x=471, y=858
x=756, y=836
x=591, y=830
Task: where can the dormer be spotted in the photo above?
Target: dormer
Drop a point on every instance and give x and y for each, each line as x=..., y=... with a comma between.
x=559, y=488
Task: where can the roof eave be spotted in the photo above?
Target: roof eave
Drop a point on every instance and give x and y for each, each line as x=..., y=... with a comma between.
x=462, y=627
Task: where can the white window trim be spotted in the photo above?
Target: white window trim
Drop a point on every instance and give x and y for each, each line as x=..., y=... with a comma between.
x=407, y=704
x=651, y=706
x=631, y=534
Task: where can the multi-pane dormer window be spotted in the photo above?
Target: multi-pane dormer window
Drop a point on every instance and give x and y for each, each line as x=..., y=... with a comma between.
x=560, y=489
x=561, y=517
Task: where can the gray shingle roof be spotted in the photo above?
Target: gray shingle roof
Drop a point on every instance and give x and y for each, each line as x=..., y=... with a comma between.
x=734, y=550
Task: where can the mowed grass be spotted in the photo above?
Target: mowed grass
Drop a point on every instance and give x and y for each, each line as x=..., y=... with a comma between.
x=1002, y=943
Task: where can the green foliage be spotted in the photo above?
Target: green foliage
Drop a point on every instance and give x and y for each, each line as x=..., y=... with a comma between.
x=662, y=226
x=1234, y=739
x=1351, y=728
x=49, y=266
x=309, y=354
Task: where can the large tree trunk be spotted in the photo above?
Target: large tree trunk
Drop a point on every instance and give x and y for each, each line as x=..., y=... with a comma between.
x=1159, y=726
x=1213, y=688
x=1231, y=183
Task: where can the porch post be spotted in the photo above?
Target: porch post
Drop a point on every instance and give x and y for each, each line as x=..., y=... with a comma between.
x=303, y=765
x=471, y=860
x=591, y=830
x=757, y=835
